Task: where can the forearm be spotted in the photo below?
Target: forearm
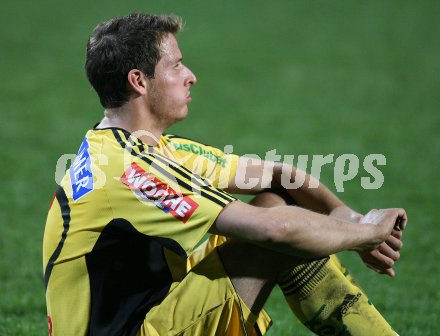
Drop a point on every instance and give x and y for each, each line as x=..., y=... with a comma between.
x=307, y=191
x=294, y=230
x=304, y=189
x=310, y=234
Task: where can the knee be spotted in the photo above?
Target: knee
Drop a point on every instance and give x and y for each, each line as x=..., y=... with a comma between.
x=272, y=198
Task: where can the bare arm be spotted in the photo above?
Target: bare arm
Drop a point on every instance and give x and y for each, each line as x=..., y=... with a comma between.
x=257, y=175
x=300, y=232
x=309, y=193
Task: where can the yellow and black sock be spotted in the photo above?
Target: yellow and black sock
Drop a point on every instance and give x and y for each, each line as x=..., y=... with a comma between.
x=324, y=297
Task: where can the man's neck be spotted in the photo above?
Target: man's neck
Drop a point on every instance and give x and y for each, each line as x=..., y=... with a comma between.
x=144, y=128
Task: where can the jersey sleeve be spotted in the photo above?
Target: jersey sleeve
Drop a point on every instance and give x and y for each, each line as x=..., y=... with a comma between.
x=211, y=163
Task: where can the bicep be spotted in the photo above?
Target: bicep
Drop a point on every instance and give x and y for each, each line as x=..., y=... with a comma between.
x=242, y=221
x=254, y=175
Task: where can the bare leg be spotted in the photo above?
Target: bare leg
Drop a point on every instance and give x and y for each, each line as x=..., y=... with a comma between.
x=322, y=294
x=253, y=271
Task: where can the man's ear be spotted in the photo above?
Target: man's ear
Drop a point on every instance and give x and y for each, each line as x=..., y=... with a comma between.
x=138, y=81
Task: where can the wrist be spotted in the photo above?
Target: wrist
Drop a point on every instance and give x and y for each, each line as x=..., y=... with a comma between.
x=346, y=213
x=370, y=237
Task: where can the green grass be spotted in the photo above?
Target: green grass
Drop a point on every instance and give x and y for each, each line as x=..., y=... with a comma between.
x=303, y=77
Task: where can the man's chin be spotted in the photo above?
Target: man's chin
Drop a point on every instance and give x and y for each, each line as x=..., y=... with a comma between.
x=182, y=115
x=176, y=118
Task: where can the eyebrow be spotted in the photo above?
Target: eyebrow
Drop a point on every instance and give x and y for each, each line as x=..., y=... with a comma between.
x=174, y=61
x=171, y=61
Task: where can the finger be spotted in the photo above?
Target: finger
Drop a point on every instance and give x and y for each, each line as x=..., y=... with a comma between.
x=388, y=253
x=380, y=259
x=395, y=243
x=398, y=225
x=404, y=222
x=379, y=262
x=374, y=268
x=397, y=234
x=389, y=271
x=402, y=219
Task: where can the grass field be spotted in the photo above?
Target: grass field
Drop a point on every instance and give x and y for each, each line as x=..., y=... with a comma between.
x=301, y=77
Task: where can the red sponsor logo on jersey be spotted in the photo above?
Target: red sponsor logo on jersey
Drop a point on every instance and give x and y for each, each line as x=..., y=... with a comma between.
x=49, y=323
x=148, y=187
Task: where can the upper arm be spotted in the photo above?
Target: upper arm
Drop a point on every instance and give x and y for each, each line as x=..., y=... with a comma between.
x=243, y=221
x=254, y=175
x=251, y=176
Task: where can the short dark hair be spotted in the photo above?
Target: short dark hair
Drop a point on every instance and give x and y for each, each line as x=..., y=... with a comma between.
x=121, y=44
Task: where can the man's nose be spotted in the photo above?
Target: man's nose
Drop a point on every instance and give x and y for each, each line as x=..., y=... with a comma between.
x=191, y=78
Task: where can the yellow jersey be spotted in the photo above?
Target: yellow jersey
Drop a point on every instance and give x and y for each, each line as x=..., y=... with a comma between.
x=122, y=223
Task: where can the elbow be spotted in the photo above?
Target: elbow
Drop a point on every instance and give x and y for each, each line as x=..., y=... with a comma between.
x=277, y=231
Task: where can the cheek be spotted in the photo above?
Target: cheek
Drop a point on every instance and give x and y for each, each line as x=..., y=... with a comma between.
x=167, y=93
x=168, y=90
x=168, y=79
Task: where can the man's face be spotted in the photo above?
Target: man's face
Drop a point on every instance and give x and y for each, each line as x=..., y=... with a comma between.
x=169, y=93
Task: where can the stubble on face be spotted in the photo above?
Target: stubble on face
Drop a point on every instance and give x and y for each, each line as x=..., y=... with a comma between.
x=165, y=103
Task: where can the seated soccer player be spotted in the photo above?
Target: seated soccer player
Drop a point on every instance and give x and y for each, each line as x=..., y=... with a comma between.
x=120, y=255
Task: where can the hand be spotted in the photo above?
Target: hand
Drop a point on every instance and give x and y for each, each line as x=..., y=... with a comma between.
x=389, y=219
x=382, y=258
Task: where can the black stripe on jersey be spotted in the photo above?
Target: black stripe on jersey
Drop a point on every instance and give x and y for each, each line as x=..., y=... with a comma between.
x=118, y=138
x=140, y=146
x=129, y=138
x=182, y=183
x=185, y=172
x=205, y=185
x=65, y=213
x=198, y=180
x=146, y=158
x=257, y=329
x=128, y=142
x=224, y=199
x=127, y=134
x=216, y=191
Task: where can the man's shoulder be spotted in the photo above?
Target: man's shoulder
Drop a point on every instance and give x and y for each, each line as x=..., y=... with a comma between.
x=181, y=139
